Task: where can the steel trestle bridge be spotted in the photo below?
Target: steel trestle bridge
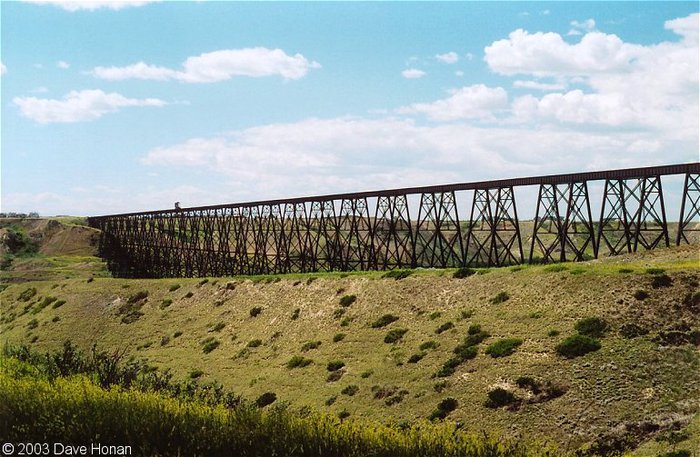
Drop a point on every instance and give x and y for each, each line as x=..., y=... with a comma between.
x=403, y=228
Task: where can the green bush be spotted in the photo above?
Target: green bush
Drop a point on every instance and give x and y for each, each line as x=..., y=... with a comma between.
x=338, y=313
x=655, y=271
x=31, y=325
x=444, y=327
x=309, y=345
x=465, y=352
x=660, y=281
x=177, y=334
x=552, y=333
x=255, y=311
x=335, y=365
x=265, y=399
x=384, y=321
x=295, y=314
x=577, y=345
x=504, y=347
x=463, y=273
x=415, y=358
x=210, y=344
x=58, y=304
x=397, y=274
x=591, y=326
x=434, y=315
x=338, y=337
x=218, y=327
x=499, y=298
x=174, y=287
x=27, y=294
x=350, y=390
x=165, y=303
x=138, y=296
x=395, y=335
x=444, y=408
x=347, y=300
x=298, y=361
x=254, y=343
x=641, y=294
x=188, y=295
x=43, y=304
x=428, y=345
x=449, y=367
x=474, y=329
x=194, y=374
x=500, y=397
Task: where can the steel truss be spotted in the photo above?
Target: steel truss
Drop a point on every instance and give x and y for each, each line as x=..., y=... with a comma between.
x=690, y=207
x=566, y=213
x=375, y=230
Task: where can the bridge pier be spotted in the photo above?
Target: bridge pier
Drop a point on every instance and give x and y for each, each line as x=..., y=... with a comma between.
x=690, y=207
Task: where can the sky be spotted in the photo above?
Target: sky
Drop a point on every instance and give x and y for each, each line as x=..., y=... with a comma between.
x=114, y=107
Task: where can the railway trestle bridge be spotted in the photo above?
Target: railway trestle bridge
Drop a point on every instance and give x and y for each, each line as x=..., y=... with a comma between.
x=405, y=228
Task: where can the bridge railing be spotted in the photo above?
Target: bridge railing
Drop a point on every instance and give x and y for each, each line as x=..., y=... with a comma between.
x=405, y=228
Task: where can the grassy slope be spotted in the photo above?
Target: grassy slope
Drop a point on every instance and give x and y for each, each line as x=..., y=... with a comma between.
x=625, y=382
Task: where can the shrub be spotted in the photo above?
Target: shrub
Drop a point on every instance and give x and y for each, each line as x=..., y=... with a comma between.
x=177, y=334
x=209, y=345
x=555, y=268
x=188, y=295
x=295, y=314
x=366, y=374
x=384, y=321
x=397, y=274
x=499, y=298
x=428, y=345
x=625, y=270
x=529, y=383
x=591, y=326
x=395, y=335
x=347, y=300
x=434, y=315
x=194, y=374
x=43, y=304
x=504, y=347
x=553, y=332
x=632, y=330
x=415, y=358
x=335, y=365
x=660, y=281
x=309, y=345
x=338, y=313
x=338, y=337
x=448, y=368
x=444, y=327
x=265, y=399
x=31, y=325
x=655, y=271
x=334, y=376
x=203, y=281
x=174, y=287
x=230, y=286
x=577, y=345
x=255, y=311
x=444, y=408
x=476, y=338
x=350, y=390
x=465, y=352
x=165, y=303
x=343, y=414
x=27, y=294
x=55, y=319
x=298, y=361
x=331, y=400
x=345, y=322
x=500, y=397
x=466, y=314
x=165, y=339
x=463, y=273
x=254, y=343
x=138, y=296
x=90, y=279
x=58, y=304
x=474, y=329
x=218, y=327
x=641, y=294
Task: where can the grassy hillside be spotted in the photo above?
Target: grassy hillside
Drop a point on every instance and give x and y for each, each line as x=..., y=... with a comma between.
x=280, y=334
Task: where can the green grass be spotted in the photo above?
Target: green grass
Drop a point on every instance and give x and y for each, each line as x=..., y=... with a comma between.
x=559, y=299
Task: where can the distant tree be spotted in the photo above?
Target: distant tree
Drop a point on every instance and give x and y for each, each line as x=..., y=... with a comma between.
x=34, y=215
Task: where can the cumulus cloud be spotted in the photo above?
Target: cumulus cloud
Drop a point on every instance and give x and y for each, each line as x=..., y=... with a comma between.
x=471, y=102
x=449, y=57
x=78, y=106
x=217, y=66
x=92, y=5
x=413, y=73
x=63, y=65
x=536, y=85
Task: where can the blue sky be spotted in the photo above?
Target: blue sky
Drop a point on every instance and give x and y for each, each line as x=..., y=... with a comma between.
x=112, y=107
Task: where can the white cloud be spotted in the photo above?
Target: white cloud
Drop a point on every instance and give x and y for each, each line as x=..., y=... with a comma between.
x=413, y=73
x=459, y=73
x=448, y=58
x=545, y=12
x=3, y=68
x=217, y=66
x=91, y=5
x=579, y=28
x=687, y=27
x=472, y=102
x=63, y=65
x=539, y=85
x=78, y=106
